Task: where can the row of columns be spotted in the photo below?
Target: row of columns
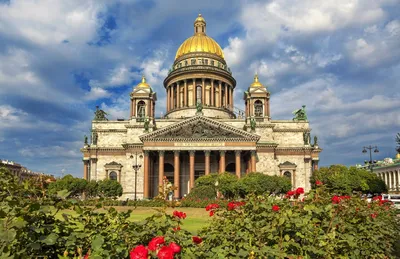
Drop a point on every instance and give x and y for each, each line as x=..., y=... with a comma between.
x=222, y=165
x=149, y=104
x=250, y=107
x=174, y=90
x=391, y=179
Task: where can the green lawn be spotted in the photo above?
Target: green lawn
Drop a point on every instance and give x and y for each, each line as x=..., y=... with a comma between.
x=195, y=220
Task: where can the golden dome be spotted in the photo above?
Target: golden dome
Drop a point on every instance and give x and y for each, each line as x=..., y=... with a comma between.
x=143, y=84
x=256, y=83
x=199, y=42
x=199, y=19
x=398, y=156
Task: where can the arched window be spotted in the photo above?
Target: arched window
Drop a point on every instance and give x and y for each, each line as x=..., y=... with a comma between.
x=198, y=94
x=141, y=109
x=258, y=108
x=113, y=176
x=288, y=174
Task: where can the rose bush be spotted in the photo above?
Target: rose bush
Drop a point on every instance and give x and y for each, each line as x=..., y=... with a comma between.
x=320, y=226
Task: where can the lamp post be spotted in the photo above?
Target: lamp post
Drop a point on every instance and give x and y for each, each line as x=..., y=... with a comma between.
x=136, y=167
x=370, y=164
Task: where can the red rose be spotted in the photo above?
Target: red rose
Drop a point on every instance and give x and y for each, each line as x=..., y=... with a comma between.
x=290, y=193
x=318, y=182
x=177, y=228
x=299, y=191
x=336, y=199
x=275, y=208
x=211, y=213
x=377, y=198
x=197, y=240
x=139, y=252
x=179, y=214
x=175, y=247
x=86, y=256
x=166, y=252
x=373, y=215
x=231, y=206
x=212, y=206
x=155, y=243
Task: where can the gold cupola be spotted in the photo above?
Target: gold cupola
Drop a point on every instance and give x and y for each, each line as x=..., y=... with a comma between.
x=256, y=82
x=199, y=42
x=199, y=81
x=143, y=83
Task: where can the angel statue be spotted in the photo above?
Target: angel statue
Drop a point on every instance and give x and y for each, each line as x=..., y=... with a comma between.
x=300, y=114
x=100, y=115
x=86, y=140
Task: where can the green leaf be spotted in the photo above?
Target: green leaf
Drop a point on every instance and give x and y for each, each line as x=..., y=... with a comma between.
x=97, y=242
x=50, y=239
x=63, y=194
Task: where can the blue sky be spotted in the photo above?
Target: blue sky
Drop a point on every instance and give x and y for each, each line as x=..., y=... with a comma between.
x=59, y=59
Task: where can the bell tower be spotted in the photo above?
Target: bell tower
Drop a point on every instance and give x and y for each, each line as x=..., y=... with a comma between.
x=257, y=101
x=143, y=101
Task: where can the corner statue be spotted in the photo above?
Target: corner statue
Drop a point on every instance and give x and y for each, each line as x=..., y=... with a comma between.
x=253, y=124
x=300, y=114
x=199, y=108
x=100, y=115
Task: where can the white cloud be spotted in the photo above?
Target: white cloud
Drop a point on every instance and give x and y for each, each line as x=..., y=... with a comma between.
x=68, y=150
x=47, y=22
x=118, y=76
x=96, y=93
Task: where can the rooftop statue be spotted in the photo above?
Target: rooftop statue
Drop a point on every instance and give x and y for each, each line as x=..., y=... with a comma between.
x=253, y=124
x=86, y=140
x=398, y=142
x=100, y=115
x=199, y=108
x=300, y=114
x=146, y=124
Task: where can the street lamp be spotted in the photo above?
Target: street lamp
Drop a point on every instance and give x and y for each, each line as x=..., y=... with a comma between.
x=370, y=163
x=136, y=167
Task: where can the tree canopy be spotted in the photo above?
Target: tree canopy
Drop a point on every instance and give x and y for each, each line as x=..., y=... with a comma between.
x=345, y=180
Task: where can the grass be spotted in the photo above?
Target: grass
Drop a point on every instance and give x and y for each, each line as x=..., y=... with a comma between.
x=196, y=218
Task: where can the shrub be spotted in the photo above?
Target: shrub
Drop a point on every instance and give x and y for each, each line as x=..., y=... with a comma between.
x=202, y=192
x=343, y=180
x=109, y=188
x=75, y=186
x=261, y=184
x=321, y=226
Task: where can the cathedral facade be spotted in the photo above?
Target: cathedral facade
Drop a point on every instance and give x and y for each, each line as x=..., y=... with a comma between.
x=202, y=131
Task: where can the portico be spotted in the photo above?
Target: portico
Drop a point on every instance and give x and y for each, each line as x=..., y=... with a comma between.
x=192, y=148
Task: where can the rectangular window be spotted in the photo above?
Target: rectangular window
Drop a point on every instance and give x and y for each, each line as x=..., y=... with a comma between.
x=193, y=62
x=212, y=62
x=206, y=61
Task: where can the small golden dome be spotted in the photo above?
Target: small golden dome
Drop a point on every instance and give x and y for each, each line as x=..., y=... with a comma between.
x=256, y=83
x=199, y=42
x=143, y=84
x=199, y=19
x=398, y=156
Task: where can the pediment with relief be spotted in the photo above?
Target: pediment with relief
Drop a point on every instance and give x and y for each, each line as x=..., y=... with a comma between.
x=199, y=128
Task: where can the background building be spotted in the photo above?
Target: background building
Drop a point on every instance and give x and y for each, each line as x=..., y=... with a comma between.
x=202, y=131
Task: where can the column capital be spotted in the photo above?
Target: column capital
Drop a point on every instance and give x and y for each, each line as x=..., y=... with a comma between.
x=192, y=152
x=176, y=152
x=253, y=152
x=146, y=152
x=238, y=152
x=161, y=153
x=222, y=152
x=207, y=152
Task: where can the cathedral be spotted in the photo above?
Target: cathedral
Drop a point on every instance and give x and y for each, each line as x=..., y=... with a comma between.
x=202, y=132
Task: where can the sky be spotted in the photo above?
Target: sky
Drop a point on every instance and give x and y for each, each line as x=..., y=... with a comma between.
x=59, y=59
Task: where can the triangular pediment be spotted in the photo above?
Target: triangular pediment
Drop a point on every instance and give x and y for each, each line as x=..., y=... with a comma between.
x=258, y=90
x=200, y=128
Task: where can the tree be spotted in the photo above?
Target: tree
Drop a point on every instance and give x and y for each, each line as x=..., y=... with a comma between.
x=261, y=184
x=92, y=189
x=109, y=188
x=343, y=180
x=76, y=186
